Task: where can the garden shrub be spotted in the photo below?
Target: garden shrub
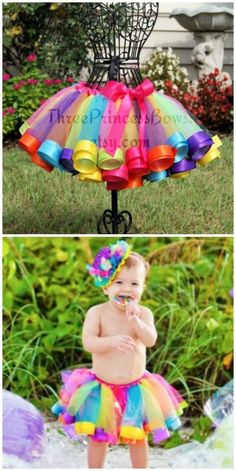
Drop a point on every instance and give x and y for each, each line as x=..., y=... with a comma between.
x=53, y=31
x=23, y=94
x=164, y=66
x=210, y=100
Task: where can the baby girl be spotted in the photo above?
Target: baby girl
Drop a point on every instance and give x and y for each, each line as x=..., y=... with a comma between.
x=118, y=401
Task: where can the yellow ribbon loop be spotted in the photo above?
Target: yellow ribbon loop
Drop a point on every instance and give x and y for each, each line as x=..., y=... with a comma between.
x=91, y=177
x=85, y=156
x=24, y=127
x=180, y=174
x=109, y=162
x=212, y=154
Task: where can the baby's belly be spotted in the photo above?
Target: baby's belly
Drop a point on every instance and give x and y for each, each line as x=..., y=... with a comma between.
x=120, y=368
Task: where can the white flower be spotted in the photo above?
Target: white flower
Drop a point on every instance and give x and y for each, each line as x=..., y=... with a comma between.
x=159, y=49
x=170, y=67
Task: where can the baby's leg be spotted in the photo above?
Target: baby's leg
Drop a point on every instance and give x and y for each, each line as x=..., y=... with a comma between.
x=96, y=454
x=139, y=455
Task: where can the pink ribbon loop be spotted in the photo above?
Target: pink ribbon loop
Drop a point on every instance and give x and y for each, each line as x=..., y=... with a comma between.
x=143, y=90
x=116, y=90
x=83, y=87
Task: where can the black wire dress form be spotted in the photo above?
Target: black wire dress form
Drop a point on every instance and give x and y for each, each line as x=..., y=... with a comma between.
x=117, y=33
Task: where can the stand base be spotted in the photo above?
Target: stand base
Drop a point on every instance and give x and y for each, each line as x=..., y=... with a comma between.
x=114, y=219
x=122, y=221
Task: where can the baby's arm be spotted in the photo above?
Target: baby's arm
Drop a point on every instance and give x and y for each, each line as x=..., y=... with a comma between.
x=94, y=344
x=143, y=325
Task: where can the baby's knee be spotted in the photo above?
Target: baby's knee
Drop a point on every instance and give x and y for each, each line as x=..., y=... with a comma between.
x=138, y=444
x=96, y=444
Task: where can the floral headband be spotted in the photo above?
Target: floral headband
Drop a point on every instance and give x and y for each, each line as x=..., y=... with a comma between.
x=108, y=262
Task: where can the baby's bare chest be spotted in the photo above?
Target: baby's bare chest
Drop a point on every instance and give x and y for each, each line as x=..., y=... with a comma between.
x=114, y=326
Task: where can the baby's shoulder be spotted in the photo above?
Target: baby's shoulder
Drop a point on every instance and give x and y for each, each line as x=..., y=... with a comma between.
x=146, y=313
x=96, y=310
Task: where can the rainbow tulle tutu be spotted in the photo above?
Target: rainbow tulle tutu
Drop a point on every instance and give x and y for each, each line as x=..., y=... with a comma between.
x=118, y=413
x=117, y=134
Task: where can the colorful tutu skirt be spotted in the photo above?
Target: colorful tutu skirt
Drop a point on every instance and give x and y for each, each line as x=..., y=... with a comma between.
x=118, y=413
x=118, y=135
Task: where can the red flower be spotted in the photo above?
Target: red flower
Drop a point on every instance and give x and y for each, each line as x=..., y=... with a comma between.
x=48, y=81
x=186, y=97
x=228, y=90
x=57, y=81
x=168, y=83
x=17, y=86
x=10, y=110
x=6, y=77
x=70, y=80
x=224, y=108
x=32, y=81
x=31, y=58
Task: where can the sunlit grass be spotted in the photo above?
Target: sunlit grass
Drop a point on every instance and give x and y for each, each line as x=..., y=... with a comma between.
x=38, y=202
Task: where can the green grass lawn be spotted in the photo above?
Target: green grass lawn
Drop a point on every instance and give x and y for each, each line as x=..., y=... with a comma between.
x=37, y=202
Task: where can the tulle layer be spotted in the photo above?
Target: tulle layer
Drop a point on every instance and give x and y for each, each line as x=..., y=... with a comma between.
x=116, y=134
x=118, y=413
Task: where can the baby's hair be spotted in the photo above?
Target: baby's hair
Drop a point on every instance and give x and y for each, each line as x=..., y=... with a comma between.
x=134, y=258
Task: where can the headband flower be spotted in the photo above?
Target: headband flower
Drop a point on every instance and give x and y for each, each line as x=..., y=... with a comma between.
x=108, y=262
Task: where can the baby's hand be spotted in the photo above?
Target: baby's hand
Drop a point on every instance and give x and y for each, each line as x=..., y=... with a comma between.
x=132, y=311
x=125, y=343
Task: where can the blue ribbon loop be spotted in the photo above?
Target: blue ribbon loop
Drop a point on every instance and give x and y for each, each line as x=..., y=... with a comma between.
x=50, y=151
x=178, y=141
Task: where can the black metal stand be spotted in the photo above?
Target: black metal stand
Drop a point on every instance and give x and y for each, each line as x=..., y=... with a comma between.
x=117, y=33
x=113, y=222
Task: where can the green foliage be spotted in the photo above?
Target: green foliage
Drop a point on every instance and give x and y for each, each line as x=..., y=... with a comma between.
x=165, y=66
x=47, y=292
x=173, y=441
x=202, y=429
x=51, y=30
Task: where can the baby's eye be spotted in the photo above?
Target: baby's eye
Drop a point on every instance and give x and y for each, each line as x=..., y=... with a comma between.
x=118, y=282
x=135, y=284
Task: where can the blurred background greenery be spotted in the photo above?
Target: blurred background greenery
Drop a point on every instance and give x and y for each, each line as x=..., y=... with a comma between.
x=47, y=292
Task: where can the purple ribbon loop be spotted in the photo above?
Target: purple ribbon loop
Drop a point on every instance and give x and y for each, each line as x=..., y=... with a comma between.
x=199, y=144
x=183, y=166
x=66, y=160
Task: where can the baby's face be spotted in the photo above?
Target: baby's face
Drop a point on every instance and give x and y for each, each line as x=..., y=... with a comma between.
x=127, y=286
